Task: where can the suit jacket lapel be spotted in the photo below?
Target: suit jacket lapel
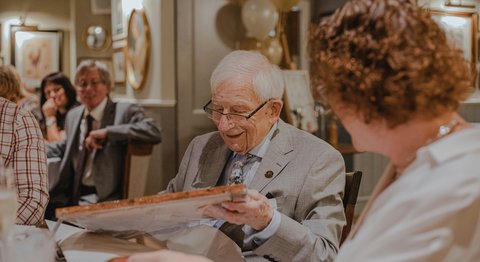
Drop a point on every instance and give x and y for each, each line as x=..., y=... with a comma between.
x=278, y=155
x=74, y=126
x=212, y=163
x=108, y=114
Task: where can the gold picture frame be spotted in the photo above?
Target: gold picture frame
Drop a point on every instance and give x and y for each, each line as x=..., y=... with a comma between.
x=35, y=53
x=96, y=38
x=138, y=49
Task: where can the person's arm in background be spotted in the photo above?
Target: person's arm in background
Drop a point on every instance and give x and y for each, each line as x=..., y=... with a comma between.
x=30, y=169
x=136, y=127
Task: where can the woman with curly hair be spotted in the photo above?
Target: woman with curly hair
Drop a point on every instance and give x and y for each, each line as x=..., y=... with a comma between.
x=13, y=89
x=393, y=79
x=57, y=97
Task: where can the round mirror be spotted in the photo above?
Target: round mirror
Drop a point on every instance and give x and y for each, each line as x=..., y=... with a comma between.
x=96, y=37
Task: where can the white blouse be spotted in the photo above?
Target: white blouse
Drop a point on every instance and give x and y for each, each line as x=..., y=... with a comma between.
x=431, y=213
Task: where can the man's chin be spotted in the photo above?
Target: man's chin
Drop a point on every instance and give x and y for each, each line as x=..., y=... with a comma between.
x=236, y=148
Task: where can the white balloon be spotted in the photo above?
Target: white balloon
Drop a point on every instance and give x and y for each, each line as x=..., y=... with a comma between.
x=259, y=17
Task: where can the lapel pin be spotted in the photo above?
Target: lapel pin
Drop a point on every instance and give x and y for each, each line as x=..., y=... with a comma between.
x=269, y=174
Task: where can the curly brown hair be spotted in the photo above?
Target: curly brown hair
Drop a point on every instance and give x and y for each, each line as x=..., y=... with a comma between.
x=387, y=60
x=9, y=83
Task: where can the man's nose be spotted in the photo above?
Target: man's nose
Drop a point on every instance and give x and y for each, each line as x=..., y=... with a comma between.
x=224, y=123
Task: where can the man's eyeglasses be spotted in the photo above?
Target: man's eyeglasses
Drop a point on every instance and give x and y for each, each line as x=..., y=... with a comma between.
x=84, y=84
x=215, y=114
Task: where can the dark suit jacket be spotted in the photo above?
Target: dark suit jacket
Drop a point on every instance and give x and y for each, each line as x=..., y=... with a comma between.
x=124, y=122
x=308, y=182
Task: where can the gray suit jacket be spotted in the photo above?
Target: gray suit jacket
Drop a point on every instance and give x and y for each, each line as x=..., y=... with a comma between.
x=124, y=122
x=308, y=182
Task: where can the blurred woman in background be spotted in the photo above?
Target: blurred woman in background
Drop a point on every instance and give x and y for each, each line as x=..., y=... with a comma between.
x=15, y=91
x=57, y=98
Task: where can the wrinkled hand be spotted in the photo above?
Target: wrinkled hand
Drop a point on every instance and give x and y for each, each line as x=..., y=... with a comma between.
x=255, y=211
x=166, y=256
x=49, y=108
x=96, y=139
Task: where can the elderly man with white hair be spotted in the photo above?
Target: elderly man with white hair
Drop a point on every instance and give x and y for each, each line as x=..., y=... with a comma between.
x=293, y=209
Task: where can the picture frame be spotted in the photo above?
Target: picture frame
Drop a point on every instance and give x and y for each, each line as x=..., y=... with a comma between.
x=96, y=38
x=100, y=7
x=461, y=30
x=119, y=20
x=298, y=99
x=106, y=60
x=119, y=65
x=35, y=53
x=165, y=211
x=138, y=49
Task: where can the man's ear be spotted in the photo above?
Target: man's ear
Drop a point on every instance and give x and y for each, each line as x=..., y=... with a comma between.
x=275, y=109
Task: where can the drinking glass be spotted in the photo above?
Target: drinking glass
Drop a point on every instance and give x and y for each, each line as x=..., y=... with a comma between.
x=31, y=244
x=8, y=208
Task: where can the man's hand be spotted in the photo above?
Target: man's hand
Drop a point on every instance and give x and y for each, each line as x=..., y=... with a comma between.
x=255, y=211
x=96, y=139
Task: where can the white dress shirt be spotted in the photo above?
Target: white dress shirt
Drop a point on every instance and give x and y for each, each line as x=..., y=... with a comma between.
x=431, y=212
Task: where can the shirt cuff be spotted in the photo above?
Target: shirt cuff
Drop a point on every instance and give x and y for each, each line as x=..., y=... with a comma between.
x=259, y=237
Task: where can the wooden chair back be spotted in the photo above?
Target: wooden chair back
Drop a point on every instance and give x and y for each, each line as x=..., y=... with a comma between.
x=137, y=160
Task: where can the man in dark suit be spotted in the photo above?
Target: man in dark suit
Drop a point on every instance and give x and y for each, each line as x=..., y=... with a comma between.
x=98, y=132
x=302, y=176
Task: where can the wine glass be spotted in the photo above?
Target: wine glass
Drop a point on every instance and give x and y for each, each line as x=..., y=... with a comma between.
x=8, y=207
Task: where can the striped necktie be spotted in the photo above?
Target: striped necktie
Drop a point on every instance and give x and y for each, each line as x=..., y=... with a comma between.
x=237, y=175
x=82, y=161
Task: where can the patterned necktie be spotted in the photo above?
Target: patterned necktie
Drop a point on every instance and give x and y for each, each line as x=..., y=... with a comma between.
x=82, y=161
x=237, y=175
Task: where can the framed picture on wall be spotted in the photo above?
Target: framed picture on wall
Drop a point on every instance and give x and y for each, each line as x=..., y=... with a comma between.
x=118, y=59
x=299, y=103
x=461, y=30
x=119, y=20
x=138, y=48
x=100, y=7
x=105, y=60
x=35, y=53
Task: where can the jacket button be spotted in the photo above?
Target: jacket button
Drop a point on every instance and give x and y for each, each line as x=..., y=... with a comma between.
x=269, y=174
